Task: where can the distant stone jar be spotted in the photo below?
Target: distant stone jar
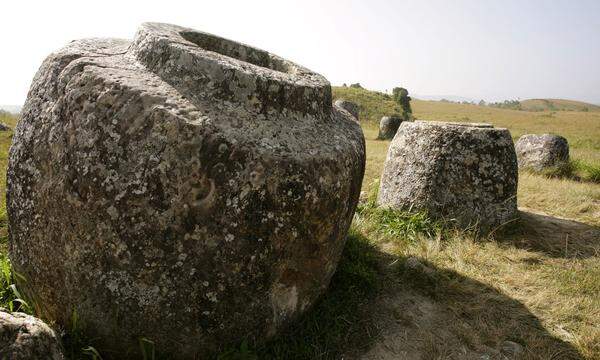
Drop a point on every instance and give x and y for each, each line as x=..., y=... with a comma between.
x=181, y=187
x=388, y=126
x=539, y=152
x=349, y=106
x=466, y=173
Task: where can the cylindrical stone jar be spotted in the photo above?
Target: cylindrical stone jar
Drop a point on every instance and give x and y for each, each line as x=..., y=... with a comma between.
x=181, y=187
x=465, y=173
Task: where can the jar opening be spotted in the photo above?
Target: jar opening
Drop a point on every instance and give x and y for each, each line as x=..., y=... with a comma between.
x=235, y=50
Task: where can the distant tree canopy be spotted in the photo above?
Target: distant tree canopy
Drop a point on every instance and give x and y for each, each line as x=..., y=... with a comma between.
x=507, y=104
x=400, y=96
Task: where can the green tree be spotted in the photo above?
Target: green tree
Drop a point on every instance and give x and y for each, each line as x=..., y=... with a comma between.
x=401, y=97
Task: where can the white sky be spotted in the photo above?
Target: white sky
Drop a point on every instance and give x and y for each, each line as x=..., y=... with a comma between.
x=478, y=49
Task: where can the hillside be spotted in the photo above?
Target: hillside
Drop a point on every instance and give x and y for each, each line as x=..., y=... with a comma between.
x=557, y=105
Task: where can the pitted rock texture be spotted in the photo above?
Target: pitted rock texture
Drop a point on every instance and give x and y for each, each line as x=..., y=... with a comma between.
x=388, y=126
x=181, y=187
x=24, y=337
x=349, y=106
x=461, y=172
x=539, y=152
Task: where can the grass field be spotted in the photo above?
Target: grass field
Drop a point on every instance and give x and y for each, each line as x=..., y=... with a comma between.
x=410, y=288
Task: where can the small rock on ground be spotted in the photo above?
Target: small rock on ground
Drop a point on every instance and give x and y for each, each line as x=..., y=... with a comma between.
x=24, y=337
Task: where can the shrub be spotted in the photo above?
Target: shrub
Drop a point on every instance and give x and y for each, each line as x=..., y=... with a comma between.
x=400, y=96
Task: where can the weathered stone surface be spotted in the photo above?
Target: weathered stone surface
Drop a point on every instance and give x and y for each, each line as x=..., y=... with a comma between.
x=181, y=187
x=511, y=349
x=466, y=172
x=349, y=106
x=388, y=126
x=4, y=127
x=539, y=152
x=24, y=337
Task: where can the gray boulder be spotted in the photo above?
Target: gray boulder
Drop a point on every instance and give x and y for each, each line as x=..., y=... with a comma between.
x=24, y=337
x=539, y=152
x=180, y=187
x=349, y=106
x=4, y=127
x=465, y=172
x=388, y=126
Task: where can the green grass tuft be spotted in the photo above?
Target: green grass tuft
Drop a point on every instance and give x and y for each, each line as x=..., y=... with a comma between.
x=588, y=172
x=565, y=170
x=578, y=170
x=396, y=224
x=401, y=224
x=10, y=297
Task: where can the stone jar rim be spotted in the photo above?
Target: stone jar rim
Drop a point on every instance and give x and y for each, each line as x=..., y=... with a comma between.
x=456, y=124
x=203, y=66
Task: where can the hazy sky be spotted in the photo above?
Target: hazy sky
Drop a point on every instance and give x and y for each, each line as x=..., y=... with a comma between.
x=478, y=49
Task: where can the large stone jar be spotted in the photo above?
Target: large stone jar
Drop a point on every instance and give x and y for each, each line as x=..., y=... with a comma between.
x=181, y=187
x=463, y=172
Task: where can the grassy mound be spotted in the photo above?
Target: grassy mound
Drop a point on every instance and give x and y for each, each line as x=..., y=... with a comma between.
x=557, y=105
